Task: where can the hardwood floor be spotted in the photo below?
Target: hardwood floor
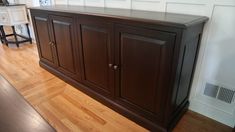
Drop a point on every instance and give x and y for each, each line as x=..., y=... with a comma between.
x=16, y=114
x=68, y=109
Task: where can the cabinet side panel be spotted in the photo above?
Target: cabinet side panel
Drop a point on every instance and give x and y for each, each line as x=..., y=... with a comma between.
x=188, y=55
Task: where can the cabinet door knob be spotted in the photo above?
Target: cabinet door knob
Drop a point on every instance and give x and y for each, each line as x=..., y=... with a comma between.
x=110, y=65
x=115, y=67
x=52, y=44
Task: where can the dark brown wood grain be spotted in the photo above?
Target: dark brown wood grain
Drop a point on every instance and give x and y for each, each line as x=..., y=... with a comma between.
x=195, y=122
x=58, y=43
x=161, y=18
x=42, y=28
x=64, y=44
x=142, y=67
x=95, y=38
x=143, y=61
x=16, y=114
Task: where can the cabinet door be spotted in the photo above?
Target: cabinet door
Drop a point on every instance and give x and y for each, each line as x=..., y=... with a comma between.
x=96, y=43
x=66, y=46
x=143, y=63
x=43, y=37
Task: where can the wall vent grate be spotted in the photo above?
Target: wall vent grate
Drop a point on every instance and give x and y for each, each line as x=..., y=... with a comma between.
x=226, y=95
x=211, y=90
x=219, y=93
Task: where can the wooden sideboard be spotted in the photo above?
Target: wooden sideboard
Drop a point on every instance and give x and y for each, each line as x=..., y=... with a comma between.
x=138, y=63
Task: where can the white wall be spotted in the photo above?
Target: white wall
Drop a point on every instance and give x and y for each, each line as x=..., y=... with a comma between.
x=21, y=29
x=216, y=62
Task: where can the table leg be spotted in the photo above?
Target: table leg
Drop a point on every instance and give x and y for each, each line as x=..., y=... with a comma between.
x=1, y=38
x=30, y=39
x=14, y=33
x=3, y=35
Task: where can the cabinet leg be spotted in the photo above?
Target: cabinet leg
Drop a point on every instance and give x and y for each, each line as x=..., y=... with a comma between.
x=3, y=36
x=14, y=33
x=30, y=39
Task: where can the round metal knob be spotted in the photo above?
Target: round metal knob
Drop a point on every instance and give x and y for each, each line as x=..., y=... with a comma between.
x=52, y=44
x=110, y=65
x=115, y=67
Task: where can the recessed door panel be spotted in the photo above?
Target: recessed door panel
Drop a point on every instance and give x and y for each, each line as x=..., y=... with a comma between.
x=66, y=45
x=144, y=61
x=42, y=31
x=96, y=47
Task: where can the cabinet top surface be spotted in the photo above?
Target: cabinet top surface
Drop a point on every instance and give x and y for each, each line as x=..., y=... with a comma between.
x=169, y=19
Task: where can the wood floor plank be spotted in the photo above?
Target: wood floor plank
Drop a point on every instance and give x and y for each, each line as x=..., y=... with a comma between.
x=68, y=109
x=34, y=81
x=85, y=110
x=71, y=126
x=16, y=115
x=114, y=120
x=52, y=119
x=75, y=115
x=206, y=124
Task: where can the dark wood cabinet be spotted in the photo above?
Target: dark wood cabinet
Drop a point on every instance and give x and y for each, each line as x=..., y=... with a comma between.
x=96, y=40
x=44, y=41
x=57, y=43
x=143, y=58
x=65, y=44
x=139, y=65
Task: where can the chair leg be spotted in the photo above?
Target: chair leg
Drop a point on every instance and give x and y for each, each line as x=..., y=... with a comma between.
x=30, y=39
x=14, y=33
x=3, y=36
